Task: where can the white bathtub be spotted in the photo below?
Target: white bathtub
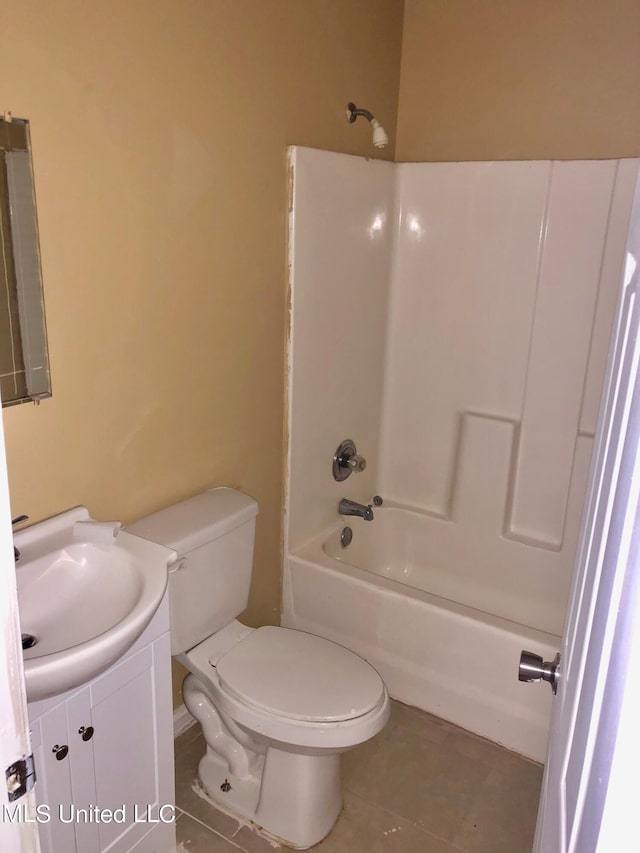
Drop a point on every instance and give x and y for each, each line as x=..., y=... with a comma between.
x=381, y=598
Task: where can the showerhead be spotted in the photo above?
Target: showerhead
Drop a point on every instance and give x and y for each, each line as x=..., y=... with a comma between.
x=380, y=138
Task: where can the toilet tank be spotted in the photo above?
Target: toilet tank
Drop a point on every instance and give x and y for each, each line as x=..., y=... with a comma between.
x=213, y=534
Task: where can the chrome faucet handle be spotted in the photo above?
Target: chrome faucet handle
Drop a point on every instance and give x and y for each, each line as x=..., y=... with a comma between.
x=18, y=520
x=356, y=462
x=346, y=460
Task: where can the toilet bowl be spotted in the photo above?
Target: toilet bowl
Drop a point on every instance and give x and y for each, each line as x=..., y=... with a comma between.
x=277, y=706
x=275, y=728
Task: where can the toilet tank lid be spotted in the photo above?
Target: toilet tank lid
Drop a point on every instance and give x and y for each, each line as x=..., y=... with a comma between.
x=197, y=520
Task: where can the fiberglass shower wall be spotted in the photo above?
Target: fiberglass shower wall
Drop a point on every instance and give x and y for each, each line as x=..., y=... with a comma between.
x=340, y=248
x=453, y=319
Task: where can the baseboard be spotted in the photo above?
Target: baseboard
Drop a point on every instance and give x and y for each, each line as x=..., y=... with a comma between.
x=182, y=720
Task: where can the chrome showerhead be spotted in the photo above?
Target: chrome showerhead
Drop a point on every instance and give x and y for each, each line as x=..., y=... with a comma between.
x=380, y=138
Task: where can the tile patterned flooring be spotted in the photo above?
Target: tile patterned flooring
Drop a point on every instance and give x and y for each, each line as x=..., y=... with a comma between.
x=421, y=786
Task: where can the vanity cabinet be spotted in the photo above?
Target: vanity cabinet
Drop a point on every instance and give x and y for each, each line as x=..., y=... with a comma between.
x=104, y=755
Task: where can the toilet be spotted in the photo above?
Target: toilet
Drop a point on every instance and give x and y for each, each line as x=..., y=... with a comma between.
x=277, y=706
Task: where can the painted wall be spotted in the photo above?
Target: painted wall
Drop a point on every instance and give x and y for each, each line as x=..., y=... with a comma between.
x=474, y=395
x=554, y=79
x=159, y=133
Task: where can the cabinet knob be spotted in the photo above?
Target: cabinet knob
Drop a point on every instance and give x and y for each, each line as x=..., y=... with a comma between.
x=86, y=732
x=60, y=752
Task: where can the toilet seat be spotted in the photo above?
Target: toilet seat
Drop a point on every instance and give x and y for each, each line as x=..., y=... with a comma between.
x=298, y=676
x=300, y=734
x=203, y=661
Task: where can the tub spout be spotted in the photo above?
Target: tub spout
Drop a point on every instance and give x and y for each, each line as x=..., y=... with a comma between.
x=347, y=507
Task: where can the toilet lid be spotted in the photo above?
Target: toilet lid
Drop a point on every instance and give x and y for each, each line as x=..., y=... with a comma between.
x=299, y=676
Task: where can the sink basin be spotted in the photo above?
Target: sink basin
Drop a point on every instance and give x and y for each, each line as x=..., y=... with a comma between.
x=84, y=599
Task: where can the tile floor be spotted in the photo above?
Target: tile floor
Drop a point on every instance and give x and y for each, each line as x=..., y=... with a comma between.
x=421, y=786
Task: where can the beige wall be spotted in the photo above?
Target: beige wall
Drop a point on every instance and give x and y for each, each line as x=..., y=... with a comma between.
x=159, y=132
x=551, y=79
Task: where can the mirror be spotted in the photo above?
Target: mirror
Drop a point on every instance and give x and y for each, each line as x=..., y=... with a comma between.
x=24, y=359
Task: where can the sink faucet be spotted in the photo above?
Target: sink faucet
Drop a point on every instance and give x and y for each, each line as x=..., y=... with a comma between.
x=14, y=521
x=347, y=507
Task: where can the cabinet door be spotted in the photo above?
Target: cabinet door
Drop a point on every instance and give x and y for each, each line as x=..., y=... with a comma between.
x=109, y=746
x=83, y=786
x=52, y=757
x=129, y=717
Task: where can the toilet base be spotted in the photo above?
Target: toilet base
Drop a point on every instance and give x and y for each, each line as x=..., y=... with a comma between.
x=296, y=799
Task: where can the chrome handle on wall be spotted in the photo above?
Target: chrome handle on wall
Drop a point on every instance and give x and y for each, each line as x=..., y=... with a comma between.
x=356, y=462
x=346, y=460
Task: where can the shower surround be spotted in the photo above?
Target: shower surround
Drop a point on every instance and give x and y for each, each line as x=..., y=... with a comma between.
x=453, y=319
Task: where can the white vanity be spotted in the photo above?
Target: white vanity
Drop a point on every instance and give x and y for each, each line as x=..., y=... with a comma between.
x=103, y=750
x=109, y=746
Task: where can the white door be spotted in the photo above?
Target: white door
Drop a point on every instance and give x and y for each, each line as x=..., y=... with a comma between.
x=590, y=744
x=17, y=833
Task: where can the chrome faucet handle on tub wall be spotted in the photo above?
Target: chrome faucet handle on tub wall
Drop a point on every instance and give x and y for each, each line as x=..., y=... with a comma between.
x=347, y=460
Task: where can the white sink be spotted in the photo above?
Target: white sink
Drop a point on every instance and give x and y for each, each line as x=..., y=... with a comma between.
x=84, y=602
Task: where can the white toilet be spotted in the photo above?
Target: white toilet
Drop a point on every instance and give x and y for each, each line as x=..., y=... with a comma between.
x=277, y=706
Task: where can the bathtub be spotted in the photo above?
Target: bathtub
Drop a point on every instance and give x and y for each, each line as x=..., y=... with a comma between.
x=441, y=642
